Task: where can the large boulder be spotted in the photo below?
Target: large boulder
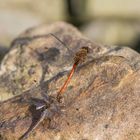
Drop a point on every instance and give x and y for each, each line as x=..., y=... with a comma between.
x=101, y=102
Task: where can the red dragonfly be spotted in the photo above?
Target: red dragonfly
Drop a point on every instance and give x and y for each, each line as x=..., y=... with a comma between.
x=80, y=57
x=48, y=105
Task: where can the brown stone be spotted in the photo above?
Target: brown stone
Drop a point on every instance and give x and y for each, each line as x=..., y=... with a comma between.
x=102, y=101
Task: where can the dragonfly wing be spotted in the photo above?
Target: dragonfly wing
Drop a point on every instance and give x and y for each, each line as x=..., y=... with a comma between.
x=57, y=53
x=52, y=49
x=34, y=125
x=45, y=97
x=38, y=103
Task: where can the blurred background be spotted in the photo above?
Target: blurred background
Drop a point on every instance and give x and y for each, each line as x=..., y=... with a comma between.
x=111, y=22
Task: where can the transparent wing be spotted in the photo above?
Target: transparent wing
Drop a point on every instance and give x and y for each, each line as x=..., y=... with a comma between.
x=34, y=125
x=38, y=103
x=49, y=47
x=54, y=51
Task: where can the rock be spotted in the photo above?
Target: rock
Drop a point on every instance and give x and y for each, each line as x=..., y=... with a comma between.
x=101, y=101
x=113, y=22
x=16, y=16
x=118, y=9
x=25, y=66
x=109, y=31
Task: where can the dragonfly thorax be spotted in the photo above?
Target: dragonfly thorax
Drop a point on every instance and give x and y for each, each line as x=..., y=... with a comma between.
x=81, y=55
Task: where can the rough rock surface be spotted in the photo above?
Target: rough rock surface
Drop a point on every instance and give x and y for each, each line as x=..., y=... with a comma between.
x=102, y=101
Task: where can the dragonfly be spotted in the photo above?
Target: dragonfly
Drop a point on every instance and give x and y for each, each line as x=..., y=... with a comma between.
x=50, y=105
x=80, y=57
